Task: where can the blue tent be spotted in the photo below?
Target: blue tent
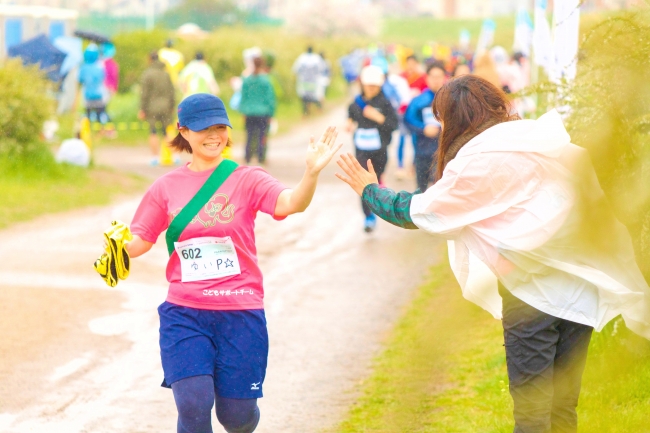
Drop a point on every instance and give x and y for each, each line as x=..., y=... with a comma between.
x=40, y=50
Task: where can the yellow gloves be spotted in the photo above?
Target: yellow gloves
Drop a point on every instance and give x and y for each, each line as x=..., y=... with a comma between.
x=114, y=264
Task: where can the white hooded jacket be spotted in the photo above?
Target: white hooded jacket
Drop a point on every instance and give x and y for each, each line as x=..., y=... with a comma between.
x=522, y=204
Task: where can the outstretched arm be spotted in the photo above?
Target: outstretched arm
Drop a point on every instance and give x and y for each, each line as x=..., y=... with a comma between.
x=318, y=156
x=385, y=203
x=393, y=207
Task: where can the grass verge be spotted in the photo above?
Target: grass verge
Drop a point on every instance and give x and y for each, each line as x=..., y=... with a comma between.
x=416, y=31
x=31, y=189
x=443, y=370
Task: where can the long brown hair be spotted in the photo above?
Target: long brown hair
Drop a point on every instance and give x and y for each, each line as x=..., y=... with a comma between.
x=464, y=104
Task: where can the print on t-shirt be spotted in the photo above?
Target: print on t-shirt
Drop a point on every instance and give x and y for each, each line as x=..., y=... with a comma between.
x=217, y=209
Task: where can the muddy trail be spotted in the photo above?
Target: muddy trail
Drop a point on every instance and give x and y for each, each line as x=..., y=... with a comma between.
x=78, y=356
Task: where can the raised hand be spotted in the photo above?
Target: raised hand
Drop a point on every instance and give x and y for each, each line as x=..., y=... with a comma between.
x=320, y=153
x=357, y=177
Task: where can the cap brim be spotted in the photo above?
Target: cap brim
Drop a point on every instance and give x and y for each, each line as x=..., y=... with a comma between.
x=205, y=123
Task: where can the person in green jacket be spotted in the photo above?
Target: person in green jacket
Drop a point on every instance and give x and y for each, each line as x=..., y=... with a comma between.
x=258, y=106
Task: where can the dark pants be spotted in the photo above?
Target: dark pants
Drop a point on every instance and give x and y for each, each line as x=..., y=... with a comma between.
x=96, y=111
x=257, y=128
x=306, y=102
x=379, y=158
x=424, y=171
x=195, y=397
x=545, y=357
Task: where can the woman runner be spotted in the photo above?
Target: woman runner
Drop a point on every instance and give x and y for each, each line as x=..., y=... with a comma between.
x=519, y=202
x=213, y=337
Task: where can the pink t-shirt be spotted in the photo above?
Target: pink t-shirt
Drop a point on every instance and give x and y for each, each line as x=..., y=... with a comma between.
x=230, y=212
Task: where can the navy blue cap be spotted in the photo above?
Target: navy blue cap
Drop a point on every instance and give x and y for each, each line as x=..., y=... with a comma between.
x=201, y=111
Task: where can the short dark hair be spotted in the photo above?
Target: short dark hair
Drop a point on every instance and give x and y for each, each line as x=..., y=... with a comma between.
x=310, y=49
x=436, y=65
x=412, y=57
x=169, y=43
x=518, y=56
x=199, y=55
x=180, y=144
x=258, y=64
x=153, y=56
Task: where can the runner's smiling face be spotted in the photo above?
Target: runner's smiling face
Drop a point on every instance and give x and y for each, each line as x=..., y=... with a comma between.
x=207, y=143
x=370, y=91
x=435, y=79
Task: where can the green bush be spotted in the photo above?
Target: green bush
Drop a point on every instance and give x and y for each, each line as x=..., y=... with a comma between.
x=610, y=116
x=223, y=51
x=132, y=53
x=224, y=47
x=25, y=103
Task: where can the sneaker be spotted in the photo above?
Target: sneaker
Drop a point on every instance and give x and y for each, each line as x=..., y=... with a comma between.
x=370, y=223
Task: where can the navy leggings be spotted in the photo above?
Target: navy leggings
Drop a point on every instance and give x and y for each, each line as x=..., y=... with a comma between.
x=257, y=130
x=195, y=397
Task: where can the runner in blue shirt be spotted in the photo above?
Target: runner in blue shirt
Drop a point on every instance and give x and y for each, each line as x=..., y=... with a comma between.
x=91, y=78
x=420, y=121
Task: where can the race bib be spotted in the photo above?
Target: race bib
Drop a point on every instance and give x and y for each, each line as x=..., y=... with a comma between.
x=367, y=139
x=428, y=117
x=207, y=258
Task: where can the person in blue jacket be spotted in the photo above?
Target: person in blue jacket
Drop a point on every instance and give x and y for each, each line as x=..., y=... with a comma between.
x=419, y=119
x=91, y=77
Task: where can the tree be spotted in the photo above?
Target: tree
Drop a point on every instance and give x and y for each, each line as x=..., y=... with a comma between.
x=335, y=17
x=609, y=104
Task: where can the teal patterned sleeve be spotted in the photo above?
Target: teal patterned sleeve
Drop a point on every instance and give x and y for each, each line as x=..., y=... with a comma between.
x=389, y=205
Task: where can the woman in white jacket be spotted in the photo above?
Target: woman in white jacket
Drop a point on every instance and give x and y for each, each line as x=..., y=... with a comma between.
x=521, y=206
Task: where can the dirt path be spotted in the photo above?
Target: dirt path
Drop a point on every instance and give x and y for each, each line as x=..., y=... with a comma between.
x=79, y=357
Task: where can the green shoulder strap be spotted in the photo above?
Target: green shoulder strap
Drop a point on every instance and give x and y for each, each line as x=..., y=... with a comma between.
x=214, y=182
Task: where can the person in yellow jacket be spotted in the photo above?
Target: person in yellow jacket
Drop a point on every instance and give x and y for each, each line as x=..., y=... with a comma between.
x=173, y=59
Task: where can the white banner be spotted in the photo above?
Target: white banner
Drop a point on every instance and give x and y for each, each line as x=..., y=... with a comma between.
x=542, y=42
x=464, y=39
x=486, y=38
x=566, y=18
x=523, y=32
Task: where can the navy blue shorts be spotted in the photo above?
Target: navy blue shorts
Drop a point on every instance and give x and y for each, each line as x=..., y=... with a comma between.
x=230, y=346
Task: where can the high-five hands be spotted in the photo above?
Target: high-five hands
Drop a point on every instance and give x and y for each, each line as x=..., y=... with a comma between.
x=320, y=153
x=357, y=177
